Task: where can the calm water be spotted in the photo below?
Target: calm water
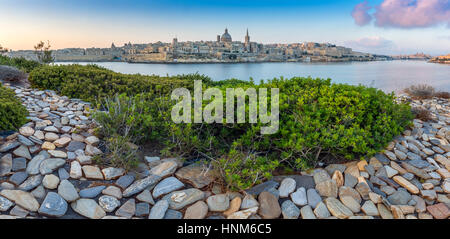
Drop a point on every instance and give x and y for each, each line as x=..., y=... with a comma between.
x=385, y=75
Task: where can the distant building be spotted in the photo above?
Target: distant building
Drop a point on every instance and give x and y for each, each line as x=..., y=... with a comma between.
x=226, y=37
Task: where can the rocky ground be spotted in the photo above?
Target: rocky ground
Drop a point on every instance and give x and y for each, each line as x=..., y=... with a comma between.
x=46, y=170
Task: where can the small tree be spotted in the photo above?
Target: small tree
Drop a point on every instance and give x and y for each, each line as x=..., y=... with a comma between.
x=43, y=52
x=3, y=50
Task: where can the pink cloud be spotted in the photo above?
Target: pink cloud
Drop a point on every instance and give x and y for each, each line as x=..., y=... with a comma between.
x=409, y=13
x=370, y=43
x=360, y=14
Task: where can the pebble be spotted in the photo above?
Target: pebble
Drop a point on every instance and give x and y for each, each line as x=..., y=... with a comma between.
x=50, y=181
x=88, y=208
x=197, y=210
x=21, y=198
x=108, y=203
x=53, y=206
x=145, y=196
x=337, y=209
x=167, y=185
x=287, y=186
x=289, y=210
x=269, y=208
x=159, y=209
x=249, y=202
x=180, y=199
x=127, y=210
x=321, y=211
x=68, y=191
x=218, y=203
x=91, y=192
x=113, y=191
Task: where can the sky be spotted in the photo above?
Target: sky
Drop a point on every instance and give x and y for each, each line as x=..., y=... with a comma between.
x=375, y=26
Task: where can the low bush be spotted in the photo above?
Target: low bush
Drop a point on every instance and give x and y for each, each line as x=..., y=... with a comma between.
x=317, y=119
x=12, y=112
x=422, y=113
x=11, y=74
x=421, y=91
x=20, y=63
x=92, y=83
x=442, y=94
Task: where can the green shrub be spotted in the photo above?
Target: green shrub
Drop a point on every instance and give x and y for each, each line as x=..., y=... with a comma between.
x=12, y=112
x=317, y=119
x=92, y=83
x=20, y=63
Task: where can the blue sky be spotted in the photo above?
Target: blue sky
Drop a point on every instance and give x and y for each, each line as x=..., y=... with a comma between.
x=83, y=23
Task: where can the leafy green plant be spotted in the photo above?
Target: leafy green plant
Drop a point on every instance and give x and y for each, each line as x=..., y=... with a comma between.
x=317, y=119
x=12, y=112
x=20, y=63
x=92, y=83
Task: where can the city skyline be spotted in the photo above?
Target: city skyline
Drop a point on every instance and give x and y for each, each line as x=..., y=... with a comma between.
x=367, y=26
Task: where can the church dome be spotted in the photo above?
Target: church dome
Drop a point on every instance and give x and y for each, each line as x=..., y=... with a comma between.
x=226, y=37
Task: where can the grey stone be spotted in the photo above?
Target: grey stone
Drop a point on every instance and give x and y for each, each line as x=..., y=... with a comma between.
x=307, y=212
x=63, y=174
x=18, y=178
x=108, y=203
x=24, y=140
x=287, y=186
x=35, y=163
x=53, y=206
x=289, y=210
x=31, y=183
x=383, y=159
x=140, y=185
x=408, y=176
x=68, y=191
x=418, y=163
x=172, y=214
x=5, y=204
x=75, y=145
x=49, y=165
x=350, y=180
x=19, y=212
x=167, y=185
x=127, y=210
x=180, y=199
x=400, y=197
x=256, y=190
x=23, y=152
x=249, y=202
x=158, y=211
x=313, y=197
x=218, y=203
x=142, y=209
x=9, y=146
x=19, y=164
x=320, y=175
x=321, y=211
x=88, y=208
x=125, y=181
x=91, y=192
x=333, y=167
x=39, y=192
x=145, y=196
x=299, y=197
x=5, y=164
